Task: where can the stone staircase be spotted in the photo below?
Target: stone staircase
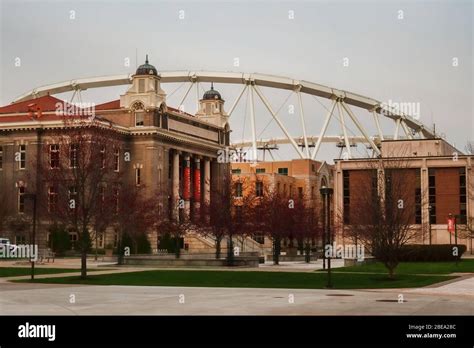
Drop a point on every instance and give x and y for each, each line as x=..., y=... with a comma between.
x=203, y=244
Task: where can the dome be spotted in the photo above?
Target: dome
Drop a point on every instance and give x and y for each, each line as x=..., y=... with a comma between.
x=212, y=94
x=146, y=69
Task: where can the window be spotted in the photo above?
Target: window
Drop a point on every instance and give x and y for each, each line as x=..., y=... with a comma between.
x=21, y=199
x=1, y=157
x=141, y=86
x=22, y=162
x=278, y=187
x=300, y=192
x=418, y=213
x=164, y=121
x=462, y=196
x=52, y=199
x=73, y=152
x=73, y=239
x=346, y=196
x=432, y=194
x=236, y=171
x=260, y=170
x=115, y=240
x=238, y=189
x=259, y=188
x=102, y=156
x=72, y=197
x=54, y=156
x=312, y=192
x=139, y=119
x=116, y=159
x=283, y=171
x=138, y=179
x=116, y=199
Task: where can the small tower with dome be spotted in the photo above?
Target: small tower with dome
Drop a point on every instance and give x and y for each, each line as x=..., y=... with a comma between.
x=145, y=91
x=211, y=108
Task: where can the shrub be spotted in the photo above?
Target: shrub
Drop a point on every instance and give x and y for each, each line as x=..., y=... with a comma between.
x=138, y=245
x=168, y=242
x=59, y=240
x=437, y=252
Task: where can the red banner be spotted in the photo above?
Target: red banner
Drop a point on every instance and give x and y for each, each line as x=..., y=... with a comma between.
x=451, y=222
x=187, y=181
x=197, y=185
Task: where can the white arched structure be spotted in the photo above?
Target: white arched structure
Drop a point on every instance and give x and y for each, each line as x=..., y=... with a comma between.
x=342, y=101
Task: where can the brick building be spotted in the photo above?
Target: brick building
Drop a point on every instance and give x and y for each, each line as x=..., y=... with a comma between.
x=170, y=151
x=438, y=179
x=301, y=178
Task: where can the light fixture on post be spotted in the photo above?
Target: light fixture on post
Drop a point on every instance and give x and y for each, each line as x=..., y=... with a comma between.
x=326, y=192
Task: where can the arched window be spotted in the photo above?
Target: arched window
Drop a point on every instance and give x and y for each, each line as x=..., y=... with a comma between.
x=226, y=134
x=324, y=182
x=163, y=116
x=138, y=110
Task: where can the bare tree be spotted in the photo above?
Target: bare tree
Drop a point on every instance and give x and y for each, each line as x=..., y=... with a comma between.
x=134, y=214
x=383, y=215
x=79, y=167
x=305, y=224
x=226, y=215
x=271, y=214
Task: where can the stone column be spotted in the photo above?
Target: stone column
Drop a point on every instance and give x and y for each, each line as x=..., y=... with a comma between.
x=207, y=180
x=187, y=185
x=175, y=193
x=197, y=186
x=425, y=202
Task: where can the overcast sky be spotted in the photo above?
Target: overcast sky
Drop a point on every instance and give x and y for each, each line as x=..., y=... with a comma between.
x=403, y=51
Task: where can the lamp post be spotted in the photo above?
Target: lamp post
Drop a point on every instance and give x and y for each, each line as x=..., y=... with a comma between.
x=450, y=216
x=326, y=192
x=456, y=229
x=430, y=208
x=33, y=197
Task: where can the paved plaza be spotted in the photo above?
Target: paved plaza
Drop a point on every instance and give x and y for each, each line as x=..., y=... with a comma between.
x=449, y=298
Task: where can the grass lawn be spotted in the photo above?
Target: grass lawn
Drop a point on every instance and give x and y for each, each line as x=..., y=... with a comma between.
x=21, y=271
x=290, y=280
x=466, y=265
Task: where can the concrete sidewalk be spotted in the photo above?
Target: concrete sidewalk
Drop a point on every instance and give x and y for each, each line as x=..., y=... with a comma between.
x=52, y=299
x=454, y=297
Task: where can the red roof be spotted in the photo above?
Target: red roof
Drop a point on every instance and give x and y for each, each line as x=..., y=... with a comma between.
x=111, y=105
x=27, y=118
x=46, y=103
x=115, y=104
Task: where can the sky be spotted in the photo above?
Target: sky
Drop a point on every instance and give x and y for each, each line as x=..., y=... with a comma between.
x=401, y=51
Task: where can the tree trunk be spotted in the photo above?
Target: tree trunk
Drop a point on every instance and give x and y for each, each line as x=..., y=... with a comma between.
x=83, y=245
x=218, y=248
x=276, y=251
x=307, y=253
x=230, y=252
x=177, y=250
x=83, y=263
x=120, y=251
x=391, y=273
x=96, y=239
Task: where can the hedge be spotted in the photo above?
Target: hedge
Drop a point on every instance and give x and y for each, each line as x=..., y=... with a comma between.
x=437, y=252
